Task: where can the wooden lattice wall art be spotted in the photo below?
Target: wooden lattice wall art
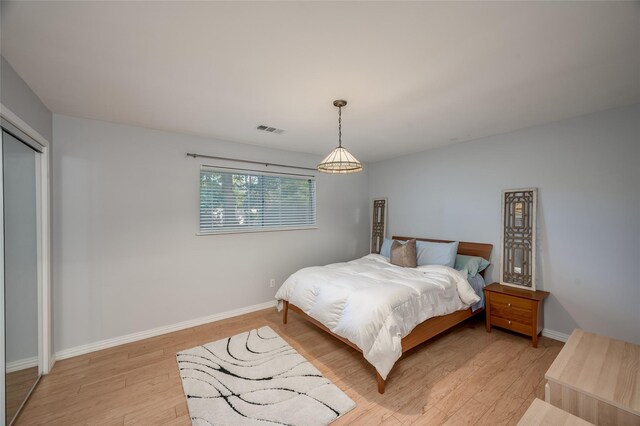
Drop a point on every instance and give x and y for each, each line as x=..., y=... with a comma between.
x=378, y=224
x=519, y=238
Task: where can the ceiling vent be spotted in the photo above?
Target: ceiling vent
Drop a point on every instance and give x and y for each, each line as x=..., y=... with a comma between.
x=269, y=129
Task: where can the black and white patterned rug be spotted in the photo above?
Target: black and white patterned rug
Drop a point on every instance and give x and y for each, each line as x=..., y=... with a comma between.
x=256, y=378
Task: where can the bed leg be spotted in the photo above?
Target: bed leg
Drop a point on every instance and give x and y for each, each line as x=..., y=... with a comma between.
x=380, y=383
x=285, y=311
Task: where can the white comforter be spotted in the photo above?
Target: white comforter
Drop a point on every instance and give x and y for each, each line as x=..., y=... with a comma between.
x=374, y=304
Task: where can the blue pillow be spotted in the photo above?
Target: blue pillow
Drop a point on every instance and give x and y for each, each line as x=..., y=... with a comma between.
x=385, y=249
x=472, y=264
x=430, y=253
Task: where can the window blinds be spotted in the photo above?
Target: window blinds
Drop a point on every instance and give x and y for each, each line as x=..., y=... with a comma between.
x=240, y=201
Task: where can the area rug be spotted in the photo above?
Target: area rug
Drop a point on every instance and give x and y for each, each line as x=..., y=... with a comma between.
x=256, y=378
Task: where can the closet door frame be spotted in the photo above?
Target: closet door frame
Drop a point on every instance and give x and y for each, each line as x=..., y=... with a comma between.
x=31, y=137
x=44, y=265
x=2, y=337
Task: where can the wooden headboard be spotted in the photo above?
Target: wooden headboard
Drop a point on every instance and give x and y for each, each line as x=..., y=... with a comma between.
x=470, y=249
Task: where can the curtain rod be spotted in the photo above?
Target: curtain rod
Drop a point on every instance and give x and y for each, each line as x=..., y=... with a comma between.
x=257, y=171
x=266, y=164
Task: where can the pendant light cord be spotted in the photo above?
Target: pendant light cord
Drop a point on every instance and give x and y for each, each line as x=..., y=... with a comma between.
x=340, y=127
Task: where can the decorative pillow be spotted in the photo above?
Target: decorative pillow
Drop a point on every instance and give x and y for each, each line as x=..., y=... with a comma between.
x=385, y=249
x=430, y=253
x=472, y=264
x=404, y=254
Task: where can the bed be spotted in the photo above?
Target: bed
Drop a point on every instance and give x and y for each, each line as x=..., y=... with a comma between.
x=415, y=303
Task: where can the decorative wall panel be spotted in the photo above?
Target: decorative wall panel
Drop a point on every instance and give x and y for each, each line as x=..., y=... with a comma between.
x=378, y=224
x=518, y=237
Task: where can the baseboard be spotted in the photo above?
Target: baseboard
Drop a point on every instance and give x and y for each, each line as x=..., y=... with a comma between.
x=21, y=364
x=555, y=335
x=109, y=343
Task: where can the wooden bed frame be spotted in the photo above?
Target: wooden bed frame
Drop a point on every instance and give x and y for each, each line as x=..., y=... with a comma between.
x=425, y=330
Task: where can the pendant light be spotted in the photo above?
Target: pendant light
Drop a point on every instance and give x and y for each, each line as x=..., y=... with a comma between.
x=340, y=160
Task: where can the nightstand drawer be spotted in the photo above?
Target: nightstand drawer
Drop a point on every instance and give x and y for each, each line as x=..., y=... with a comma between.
x=512, y=325
x=507, y=301
x=510, y=312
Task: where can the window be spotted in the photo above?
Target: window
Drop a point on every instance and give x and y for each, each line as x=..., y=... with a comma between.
x=240, y=201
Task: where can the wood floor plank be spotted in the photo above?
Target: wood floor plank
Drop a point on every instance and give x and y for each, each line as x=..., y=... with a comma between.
x=153, y=414
x=502, y=412
x=179, y=421
x=103, y=386
x=93, y=422
x=468, y=414
x=435, y=384
x=470, y=386
x=464, y=376
x=373, y=415
x=432, y=416
x=534, y=372
x=523, y=408
x=181, y=409
x=494, y=389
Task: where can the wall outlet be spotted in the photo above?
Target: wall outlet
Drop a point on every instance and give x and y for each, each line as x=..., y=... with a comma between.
x=272, y=282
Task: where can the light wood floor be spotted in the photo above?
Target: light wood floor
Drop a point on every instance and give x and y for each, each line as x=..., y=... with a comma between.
x=464, y=376
x=17, y=387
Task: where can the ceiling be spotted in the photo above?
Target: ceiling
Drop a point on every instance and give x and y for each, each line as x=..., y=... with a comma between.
x=416, y=75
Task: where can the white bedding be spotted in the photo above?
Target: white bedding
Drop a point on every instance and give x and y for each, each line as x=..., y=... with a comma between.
x=374, y=304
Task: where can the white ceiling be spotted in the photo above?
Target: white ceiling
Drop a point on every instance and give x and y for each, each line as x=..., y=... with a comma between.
x=416, y=75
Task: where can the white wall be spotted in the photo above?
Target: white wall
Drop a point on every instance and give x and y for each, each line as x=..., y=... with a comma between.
x=587, y=170
x=126, y=258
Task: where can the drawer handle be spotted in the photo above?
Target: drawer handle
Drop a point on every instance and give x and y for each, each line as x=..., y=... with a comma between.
x=509, y=322
x=509, y=304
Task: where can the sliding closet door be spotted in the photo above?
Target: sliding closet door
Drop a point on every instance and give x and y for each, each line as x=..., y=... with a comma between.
x=21, y=272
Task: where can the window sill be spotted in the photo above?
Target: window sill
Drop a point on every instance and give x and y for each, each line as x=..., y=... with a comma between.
x=253, y=231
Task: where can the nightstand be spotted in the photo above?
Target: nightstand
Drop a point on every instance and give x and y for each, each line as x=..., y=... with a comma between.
x=515, y=309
